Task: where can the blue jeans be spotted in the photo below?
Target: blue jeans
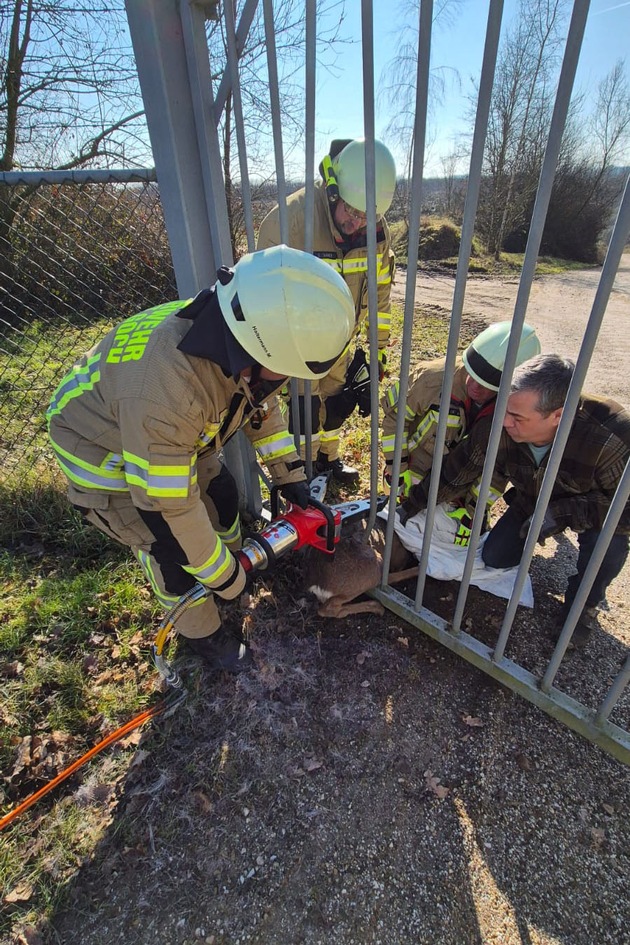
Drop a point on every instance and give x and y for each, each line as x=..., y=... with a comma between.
x=503, y=548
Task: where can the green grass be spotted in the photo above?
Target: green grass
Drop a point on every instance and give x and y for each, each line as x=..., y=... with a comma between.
x=76, y=624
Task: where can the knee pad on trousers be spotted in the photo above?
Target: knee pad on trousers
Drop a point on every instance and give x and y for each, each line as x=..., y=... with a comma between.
x=316, y=405
x=338, y=408
x=223, y=492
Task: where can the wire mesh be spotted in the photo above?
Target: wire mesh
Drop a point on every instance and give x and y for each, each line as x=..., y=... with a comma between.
x=74, y=259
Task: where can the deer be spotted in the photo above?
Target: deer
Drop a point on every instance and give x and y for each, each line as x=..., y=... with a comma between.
x=355, y=567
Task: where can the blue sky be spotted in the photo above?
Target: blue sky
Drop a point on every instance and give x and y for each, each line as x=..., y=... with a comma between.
x=457, y=49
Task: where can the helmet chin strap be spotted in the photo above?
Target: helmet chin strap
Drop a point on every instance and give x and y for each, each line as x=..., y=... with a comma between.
x=260, y=387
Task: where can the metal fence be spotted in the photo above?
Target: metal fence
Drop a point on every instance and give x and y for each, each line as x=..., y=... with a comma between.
x=174, y=70
x=78, y=250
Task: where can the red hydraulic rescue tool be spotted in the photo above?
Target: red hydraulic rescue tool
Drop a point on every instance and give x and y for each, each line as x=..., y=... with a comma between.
x=318, y=526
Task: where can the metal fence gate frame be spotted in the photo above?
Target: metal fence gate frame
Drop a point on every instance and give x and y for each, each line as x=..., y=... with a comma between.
x=173, y=64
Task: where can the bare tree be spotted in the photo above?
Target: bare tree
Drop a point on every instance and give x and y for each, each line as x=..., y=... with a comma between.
x=69, y=94
x=289, y=31
x=591, y=172
x=519, y=116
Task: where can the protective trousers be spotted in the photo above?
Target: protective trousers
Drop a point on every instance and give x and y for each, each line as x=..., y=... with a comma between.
x=503, y=548
x=326, y=420
x=152, y=543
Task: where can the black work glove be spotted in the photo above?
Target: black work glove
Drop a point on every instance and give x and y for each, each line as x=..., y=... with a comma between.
x=382, y=364
x=358, y=382
x=297, y=493
x=548, y=528
x=416, y=501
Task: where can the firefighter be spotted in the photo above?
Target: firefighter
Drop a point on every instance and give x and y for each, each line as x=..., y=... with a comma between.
x=340, y=239
x=473, y=396
x=138, y=424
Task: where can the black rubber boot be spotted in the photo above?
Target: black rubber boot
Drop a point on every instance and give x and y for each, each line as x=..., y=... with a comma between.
x=339, y=470
x=223, y=650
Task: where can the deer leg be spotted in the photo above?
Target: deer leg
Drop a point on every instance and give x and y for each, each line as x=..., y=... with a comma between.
x=338, y=608
x=396, y=577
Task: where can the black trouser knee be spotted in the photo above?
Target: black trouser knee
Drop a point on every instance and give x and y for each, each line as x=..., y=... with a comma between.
x=223, y=492
x=503, y=548
x=612, y=563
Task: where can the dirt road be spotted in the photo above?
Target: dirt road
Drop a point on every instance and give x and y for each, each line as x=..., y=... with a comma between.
x=559, y=307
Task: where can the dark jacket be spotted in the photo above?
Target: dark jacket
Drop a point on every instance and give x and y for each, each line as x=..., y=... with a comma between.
x=594, y=459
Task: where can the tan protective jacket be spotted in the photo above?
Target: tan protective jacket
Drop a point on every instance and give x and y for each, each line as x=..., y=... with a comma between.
x=135, y=413
x=421, y=413
x=421, y=421
x=351, y=263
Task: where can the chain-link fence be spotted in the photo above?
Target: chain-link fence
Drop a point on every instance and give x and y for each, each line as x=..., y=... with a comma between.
x=74, y=257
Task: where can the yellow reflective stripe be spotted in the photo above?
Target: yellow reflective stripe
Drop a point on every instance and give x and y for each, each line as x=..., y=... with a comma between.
x=212, y=570
x=337, y=264
x=430, y=419
x=163, y=596
x=167, y=600
x=493, y=494
x=173, y=482
x=274, y=446
x=392, y=394
x=82, y=377
x=316, y=437
x=388, y=442
x=231, y=534
x=329, y=435
x=87, y=475
x=208, y=435
x=384, y=321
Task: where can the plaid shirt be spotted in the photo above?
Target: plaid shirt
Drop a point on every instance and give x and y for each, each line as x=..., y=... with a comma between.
x=594, y=459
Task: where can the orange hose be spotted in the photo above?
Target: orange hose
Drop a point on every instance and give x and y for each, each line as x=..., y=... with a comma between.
x=109, y=740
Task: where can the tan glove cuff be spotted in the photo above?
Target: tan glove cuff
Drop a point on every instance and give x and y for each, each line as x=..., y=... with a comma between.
x=282, y=474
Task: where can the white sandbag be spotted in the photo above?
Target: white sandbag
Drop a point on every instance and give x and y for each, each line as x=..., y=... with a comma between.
x=447, y=560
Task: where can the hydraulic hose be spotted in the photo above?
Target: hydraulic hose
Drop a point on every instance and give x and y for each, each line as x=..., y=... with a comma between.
x=169, y=704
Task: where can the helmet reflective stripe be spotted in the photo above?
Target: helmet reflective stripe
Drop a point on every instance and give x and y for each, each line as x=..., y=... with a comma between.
x=349, y=168
x=485, y=356
x=289, y=310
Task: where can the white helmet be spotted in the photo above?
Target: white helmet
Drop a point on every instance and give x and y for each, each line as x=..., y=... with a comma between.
x=349, y=170
x=485, y=356
x=289, y=310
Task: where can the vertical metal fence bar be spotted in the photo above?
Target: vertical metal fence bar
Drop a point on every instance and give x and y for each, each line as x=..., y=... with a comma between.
x=194, y=31
x=160, y=53
x=367, y=36
x=491, y=47
x=247, y=16
x=240, y=124
x=541, y=204
x=413, y=240
x=608, y=529
x=274, y=95
x=309, y=196
x=614, y=693
x=616, y=247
